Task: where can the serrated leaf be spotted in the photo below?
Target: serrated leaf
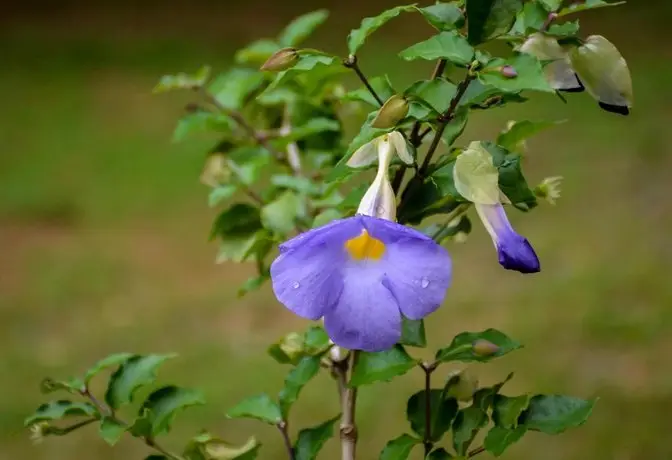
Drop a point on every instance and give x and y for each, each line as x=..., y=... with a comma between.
x=466, y=426
x=530, y=75
x=499, y=439
x=553, y=414
x=311, y=440
x=105, y=363
x=490, y=18
x=302, y=27
x=260, y=407
x=56, y=410
x=183, y=80
x=587, y=5
x=357, y=37
x=111, y=430
x=161, y=406
x=257, y=52
x=443, y=16
x=399, y=448
x=442, y=412
x=200, y=122
x=221, y=193
x=512, y=137
x=382, y=87
x=507, y=409
x=439, y=454
x=413, y=333
x=280, y=214
x=461, y=348
x=446, y=45
x=136, y=372
x=231, y=89
x=296, y=379
x=382, y=365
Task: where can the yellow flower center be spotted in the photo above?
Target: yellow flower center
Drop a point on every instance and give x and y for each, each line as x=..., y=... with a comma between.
x=365, y=246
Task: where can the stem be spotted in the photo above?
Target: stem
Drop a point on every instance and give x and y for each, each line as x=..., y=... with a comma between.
x=293, y=154
x=549, y=20
x=351, y=63
x=348, y=398
x=451, y=216
x=427, y=441
x=107, y=411
x=282, y=426
x=476, y=451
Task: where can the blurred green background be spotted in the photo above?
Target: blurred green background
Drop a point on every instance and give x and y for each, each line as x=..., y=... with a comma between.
x=103, y=232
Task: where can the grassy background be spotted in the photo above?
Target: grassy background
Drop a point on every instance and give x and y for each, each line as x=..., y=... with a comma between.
x=103, y=229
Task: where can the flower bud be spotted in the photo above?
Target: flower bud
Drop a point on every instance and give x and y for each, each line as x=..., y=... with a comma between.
x=292, y=345
x=549, y=189
x=604, y=73
x=508, y=71
x=392, y=112
x=282, y=59
x=215, y=172
x=484, y=348
x=461, y=385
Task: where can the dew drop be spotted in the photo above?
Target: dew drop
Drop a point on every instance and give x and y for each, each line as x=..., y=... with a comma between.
x=380, y=210
x=296, y=285
x=424, y=282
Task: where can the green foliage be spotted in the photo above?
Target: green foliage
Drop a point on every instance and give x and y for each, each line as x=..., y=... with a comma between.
x=161, y=406
x=443, y=410
x=553, y=414
x=136, y=372
x=357, y=37
x=530, y=74
x=443, y=16
x=311, y=440
x=446, y=45
x=297, y=378
x=413, y=333
x=302, y=27
x=399, y=448
x=489, y=19
x=462, y=347
x=57, y=410
x=260, y=407
x=383, y=365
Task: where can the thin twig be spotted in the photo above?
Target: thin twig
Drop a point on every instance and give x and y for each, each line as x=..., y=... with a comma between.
x=451, y=216
x=351, y=63
x=282, y=426
x=429, y=368
x=476, y=451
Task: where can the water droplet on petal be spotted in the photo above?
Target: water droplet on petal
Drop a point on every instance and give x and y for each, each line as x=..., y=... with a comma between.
x=424, y=282
x=380, y=210
x=296, y=285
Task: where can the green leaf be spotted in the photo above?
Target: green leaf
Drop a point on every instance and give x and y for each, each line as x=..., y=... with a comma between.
x=316, y=340
x=553, y=414
x=499, y=439
x=456, y=127
x=312, y=127
x=357, y=37
x=232, y=89
x=208, y=447
x=311, y=440
x=261, y=407
x=399, y=448
x=257, y=52
x=436, y=95
x=239, y=248
x=466, y=426
x=551, y=5
x=49, y=385
x=200, y=122
x=439, y=454
x=253, y=283
x=507, y=409
x=296, y=379
x=280, y=215
x=302, y=27
x=221, y=193
x=446, y=45
x=309, y=61
x=511, y=178
x=531, y=19
x=162, y=405
x=588, y=5
x=56, y=410
x=413, y=333
x=443, y=16
x=568, y=29
x=325, y=217
x=484, y=398
x=461, y=348
x=382, y=365
x=136, y=372
x=442, y=410
x=490, y=18
x=105, y=363
x=241, y=219
x=511, y=138
x=183, y=80
x=301, y=185
x=382, y=87
x=111, y=430
x=530, y=74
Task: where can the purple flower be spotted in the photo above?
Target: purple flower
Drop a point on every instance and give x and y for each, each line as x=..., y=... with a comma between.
x=515, y=252
x=361, y=274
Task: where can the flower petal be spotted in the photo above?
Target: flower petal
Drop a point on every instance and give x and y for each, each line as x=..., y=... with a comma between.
x=366, y=316
x=364, y=156
x=389, y=232
x=418, y=274
x=400, y=146
x=515, y=252
x=347, y=228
